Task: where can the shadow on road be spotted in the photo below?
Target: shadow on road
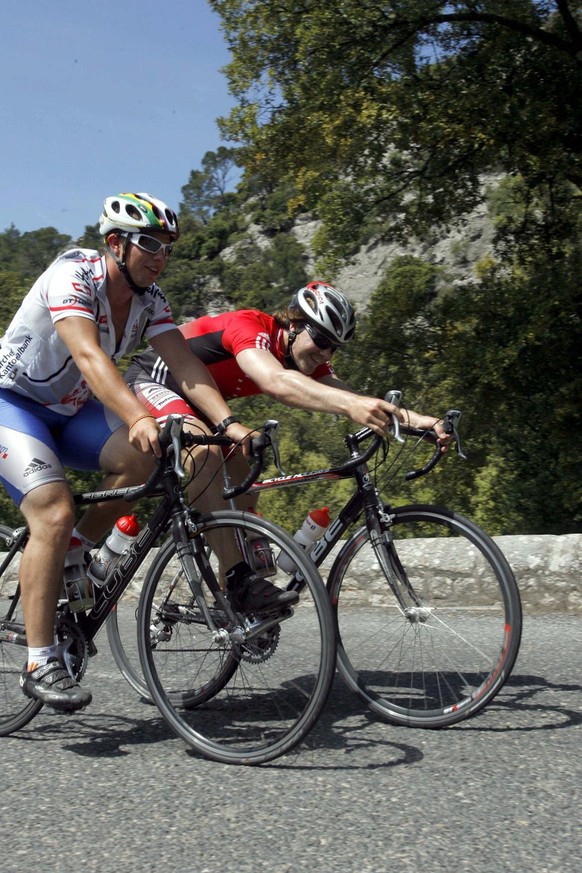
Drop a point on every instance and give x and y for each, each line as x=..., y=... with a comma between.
x=529, y=703
x=526, y=703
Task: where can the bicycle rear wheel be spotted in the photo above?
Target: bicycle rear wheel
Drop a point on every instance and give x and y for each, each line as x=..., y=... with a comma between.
x=235, y=697
x=122, y=637
x=446, y=651
x=15, y=709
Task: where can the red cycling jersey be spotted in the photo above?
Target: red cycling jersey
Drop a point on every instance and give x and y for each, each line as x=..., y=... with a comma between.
x=217, y=340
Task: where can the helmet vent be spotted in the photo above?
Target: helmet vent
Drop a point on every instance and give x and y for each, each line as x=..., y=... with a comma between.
x=133, y=211
x=336, y=321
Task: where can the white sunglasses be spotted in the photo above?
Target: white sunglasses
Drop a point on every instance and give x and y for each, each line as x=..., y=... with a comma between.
x=150, y=244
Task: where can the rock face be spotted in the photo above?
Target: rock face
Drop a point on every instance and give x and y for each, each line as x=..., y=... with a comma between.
x=548, y=569
x=457, y=251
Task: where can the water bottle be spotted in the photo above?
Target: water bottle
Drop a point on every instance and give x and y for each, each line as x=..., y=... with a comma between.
x=310, y=531
x=78, y=588
x=260, y=554
x=124, y=532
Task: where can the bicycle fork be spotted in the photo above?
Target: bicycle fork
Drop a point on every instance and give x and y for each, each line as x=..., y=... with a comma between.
x=379, y=522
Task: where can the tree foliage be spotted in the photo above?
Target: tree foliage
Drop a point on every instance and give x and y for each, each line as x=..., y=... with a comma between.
x=386, y=115
x=210, y=189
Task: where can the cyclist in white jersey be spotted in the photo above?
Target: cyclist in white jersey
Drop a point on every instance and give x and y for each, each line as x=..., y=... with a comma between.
x=63, y=402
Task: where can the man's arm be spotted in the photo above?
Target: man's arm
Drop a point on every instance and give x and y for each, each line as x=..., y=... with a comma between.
x=81, y=337
x=195, y=380
x=324, y=395
x=329, y=394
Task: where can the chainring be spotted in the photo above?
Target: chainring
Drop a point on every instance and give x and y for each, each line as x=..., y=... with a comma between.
x=260, y=649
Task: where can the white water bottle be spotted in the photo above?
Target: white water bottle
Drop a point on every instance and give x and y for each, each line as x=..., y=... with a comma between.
x=314, y=526
x=77, y=585
x=124, y=532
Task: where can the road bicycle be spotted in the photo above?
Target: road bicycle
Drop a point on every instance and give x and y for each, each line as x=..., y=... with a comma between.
x=427, y=608
x=240, y=689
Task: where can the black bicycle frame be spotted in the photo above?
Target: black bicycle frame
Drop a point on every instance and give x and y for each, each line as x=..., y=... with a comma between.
x=119, y=578
x=364, y=499
x=117, y=581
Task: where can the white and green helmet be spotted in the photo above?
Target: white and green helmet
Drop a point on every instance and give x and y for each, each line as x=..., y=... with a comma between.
x=132, y=213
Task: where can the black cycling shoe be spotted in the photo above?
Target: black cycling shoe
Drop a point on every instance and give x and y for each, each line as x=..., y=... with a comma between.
x=52, y=685
x=250, y=593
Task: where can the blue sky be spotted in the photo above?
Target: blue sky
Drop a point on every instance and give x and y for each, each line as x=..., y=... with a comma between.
x=103, y=97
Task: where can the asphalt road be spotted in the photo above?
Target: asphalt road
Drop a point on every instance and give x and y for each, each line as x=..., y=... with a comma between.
x=113, y=790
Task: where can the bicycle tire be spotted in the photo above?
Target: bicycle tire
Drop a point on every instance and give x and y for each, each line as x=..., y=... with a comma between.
x=256, y=700
x=451, y=654
x=16, y=710
x=121, y=629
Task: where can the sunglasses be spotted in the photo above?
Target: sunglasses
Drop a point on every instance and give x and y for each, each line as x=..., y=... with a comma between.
x=321, y=341
x=150, y=244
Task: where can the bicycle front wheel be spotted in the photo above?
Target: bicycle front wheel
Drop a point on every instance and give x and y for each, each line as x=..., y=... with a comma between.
x=428, y=631
x=15, y=709
x=243, y=692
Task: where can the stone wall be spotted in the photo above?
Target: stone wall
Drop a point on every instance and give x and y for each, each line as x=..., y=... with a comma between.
x=548, y=569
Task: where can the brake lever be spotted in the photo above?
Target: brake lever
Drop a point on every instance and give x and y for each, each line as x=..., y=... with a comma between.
x=450, y=422
x=175, y=433
x=394, y=397
x=258, y=445
x=271, y=428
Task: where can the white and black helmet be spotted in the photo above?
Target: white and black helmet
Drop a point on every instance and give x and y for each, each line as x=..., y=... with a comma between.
x=326, y=308
x=131, y=213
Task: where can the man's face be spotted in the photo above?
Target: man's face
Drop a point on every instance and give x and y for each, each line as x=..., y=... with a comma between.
x=307, y=355
x=146, y=266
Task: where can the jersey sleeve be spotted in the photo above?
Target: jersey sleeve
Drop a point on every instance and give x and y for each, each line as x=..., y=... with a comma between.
x=71, y=291
x=248, y=329
x=160, y=318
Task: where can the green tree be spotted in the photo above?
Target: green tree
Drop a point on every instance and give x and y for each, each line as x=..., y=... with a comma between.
x=387, y=115
x=210, y=189
x=265, y=277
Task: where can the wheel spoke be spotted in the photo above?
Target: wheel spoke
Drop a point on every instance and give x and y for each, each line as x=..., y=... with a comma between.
x=237, y=699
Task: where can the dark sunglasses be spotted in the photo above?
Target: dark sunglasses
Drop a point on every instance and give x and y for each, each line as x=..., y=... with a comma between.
x=320, y=340
x=150, y=244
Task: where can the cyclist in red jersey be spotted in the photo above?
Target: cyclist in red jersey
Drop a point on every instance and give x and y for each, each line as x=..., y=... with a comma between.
x=286, y=355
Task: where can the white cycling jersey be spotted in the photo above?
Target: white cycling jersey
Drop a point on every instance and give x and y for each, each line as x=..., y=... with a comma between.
x=35, y=362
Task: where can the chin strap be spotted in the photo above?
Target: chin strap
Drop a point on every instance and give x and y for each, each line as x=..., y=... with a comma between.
x=289, y=360
x=122, y=267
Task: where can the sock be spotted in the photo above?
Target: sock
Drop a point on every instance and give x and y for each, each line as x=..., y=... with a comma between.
x=87, y=544
x=39, y=656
